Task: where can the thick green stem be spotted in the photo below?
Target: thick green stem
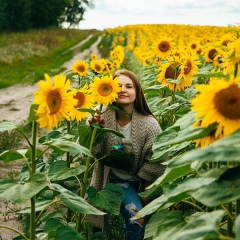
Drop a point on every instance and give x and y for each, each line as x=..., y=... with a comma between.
x=33, y=170
x=68, y=153
x=14, y=230
x=85, y=176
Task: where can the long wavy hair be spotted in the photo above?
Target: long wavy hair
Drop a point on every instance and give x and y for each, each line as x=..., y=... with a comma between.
x=140, y=103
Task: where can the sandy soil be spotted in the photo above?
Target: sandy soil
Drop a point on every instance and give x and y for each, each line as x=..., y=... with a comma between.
x=15, y=103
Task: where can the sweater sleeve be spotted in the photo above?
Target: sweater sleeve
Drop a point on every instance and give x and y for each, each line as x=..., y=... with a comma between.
x=150, y=171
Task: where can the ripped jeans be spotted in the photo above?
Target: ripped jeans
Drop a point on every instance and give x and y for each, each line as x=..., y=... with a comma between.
x=131, y=204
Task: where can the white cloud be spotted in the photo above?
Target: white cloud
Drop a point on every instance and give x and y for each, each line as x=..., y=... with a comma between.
x=113, y=13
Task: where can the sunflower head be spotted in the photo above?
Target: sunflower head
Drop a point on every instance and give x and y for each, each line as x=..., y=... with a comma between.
x=84, y=100
x=53, y=100
x=97, y=66
x=80, y=67
x=163, y=47
x=105, y=89
x=219, y=102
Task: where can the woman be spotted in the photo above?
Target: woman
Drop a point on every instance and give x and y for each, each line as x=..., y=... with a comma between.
x=140, y=129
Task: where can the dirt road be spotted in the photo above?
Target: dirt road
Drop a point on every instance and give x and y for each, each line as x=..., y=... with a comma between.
x=15, y=101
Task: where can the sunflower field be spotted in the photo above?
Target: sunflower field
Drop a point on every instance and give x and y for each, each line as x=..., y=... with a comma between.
x=191, y=80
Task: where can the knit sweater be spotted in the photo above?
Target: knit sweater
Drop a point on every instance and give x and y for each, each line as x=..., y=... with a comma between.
x=144, y=131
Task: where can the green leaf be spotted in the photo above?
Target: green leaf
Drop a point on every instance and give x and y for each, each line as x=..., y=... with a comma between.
x=85, y=134
x=117, y=159
x=109, y=198
x=52, y=225
x=75, y=202
x=20, y=193
x=200, y=227
x=60, y=172
x=153, y=223
x=226, y=189
x=237, y=227
x=32, y=114
x=174, y=192
x=12, y=155
x=51, y=135
x=69, y=232
x=7, y=126
x=38, y=207
x=164, y=224
x=69, y=146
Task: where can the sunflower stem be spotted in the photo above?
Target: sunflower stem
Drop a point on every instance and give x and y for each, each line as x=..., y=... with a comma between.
x=173, y=101
x=236, y=70
x=84, y=185
x=33, y=170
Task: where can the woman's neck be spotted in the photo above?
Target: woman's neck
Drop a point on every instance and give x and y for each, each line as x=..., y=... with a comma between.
x=124, y=118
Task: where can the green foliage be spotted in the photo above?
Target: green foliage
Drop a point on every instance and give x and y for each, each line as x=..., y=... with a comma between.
x=23, y=63
x=23, y=15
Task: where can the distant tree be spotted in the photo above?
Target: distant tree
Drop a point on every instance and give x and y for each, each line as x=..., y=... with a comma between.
x=15, y=15
x=20, y=15
x=46, y=13
x=74, y=12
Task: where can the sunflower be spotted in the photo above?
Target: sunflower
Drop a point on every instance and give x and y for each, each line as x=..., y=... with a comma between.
x=93, y=56
x=219, y=102
x=204, y=141
x=97, y=66
x=163, y=47
x=170, y=70
x=105, y=89
x=80, y=67
x=53, y=101
x=189, y=66
x=84, y=100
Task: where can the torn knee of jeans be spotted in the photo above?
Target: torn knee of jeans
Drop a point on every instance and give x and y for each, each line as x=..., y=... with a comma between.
x=131, y=207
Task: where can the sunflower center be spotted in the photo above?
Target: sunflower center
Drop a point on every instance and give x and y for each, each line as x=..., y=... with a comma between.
x=98, y=68
x=81, y=99
x=54, y=101
x=225, y=42
x=227, y=102
x=171, y=71
x=164, y=46
x=193, y=46
x=105, y=90
x=188, y=67
x=81, y=69
x=212, y=53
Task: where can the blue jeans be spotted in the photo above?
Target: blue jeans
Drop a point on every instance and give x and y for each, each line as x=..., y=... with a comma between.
x=131, y=204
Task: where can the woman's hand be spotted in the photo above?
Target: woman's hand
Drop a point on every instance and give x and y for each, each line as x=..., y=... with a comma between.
x=97, y=118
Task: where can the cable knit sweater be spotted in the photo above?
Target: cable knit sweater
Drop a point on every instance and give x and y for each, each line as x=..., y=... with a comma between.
x=144, y=131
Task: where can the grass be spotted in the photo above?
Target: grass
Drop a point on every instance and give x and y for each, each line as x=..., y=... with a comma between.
x=25, y=57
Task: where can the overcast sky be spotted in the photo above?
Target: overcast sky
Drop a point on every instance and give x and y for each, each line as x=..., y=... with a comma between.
x=114, y=13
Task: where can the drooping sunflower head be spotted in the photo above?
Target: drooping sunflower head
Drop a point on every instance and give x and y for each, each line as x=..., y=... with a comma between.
x=84, y=100
x=53, y=100
x=80, y=67
x=219, y=102
x=163, y=47
x=105, y=89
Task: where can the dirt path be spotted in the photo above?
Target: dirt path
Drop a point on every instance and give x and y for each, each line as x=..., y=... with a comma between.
x=15, y=103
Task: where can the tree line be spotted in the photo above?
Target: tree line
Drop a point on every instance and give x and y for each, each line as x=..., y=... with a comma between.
x=21, y=15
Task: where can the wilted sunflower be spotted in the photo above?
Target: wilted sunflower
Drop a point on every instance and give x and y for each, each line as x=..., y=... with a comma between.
x=53, y=101
x=80, y=67
x=84, y=100
x=105, y=89
x=163, y=47
x=219, y=102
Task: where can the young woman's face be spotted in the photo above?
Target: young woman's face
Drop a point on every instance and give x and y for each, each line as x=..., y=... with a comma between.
x=128, y=93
